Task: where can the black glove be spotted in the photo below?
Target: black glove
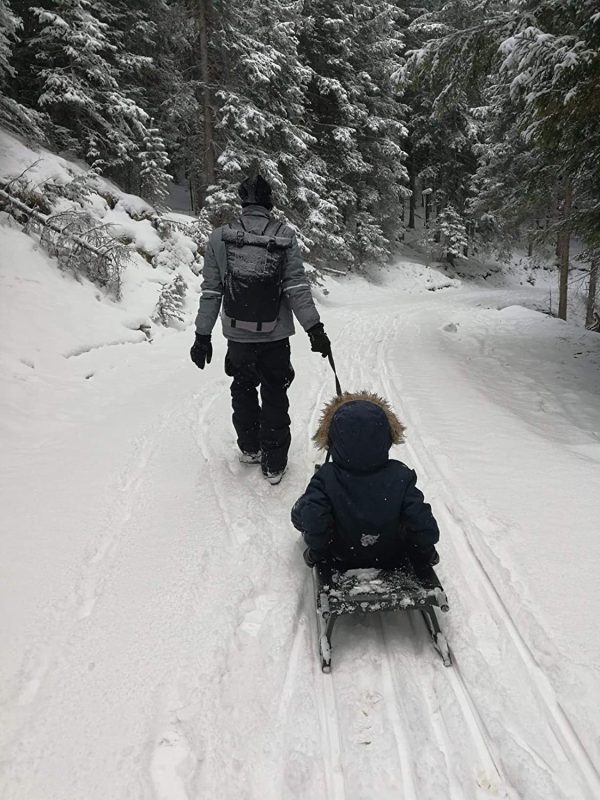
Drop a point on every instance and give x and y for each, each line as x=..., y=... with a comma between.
x=423, y=557
x=311, y=557
x=319, y=341
x=201, y=352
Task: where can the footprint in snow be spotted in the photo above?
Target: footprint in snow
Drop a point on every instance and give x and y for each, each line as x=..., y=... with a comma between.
x=451, y=327
x=254, y=616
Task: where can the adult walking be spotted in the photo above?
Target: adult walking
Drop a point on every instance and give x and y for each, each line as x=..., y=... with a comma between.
x=254, y=275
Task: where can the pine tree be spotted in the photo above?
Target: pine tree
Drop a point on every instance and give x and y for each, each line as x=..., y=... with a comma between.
x=81, y=88
x=170, y=308
x=258, y=113
x=513, y=189
x=354, y=52
x=382, y=130
x=552, y=60
x=154, y=160
x=333, y=116
x=452, y=233
x=9, y=25
x=13, y=115
x=453, y=48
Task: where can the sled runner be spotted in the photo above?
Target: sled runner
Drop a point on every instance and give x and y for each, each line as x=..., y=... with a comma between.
x=368, y=590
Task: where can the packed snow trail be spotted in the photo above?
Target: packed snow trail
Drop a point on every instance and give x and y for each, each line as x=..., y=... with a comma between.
x=161, y=623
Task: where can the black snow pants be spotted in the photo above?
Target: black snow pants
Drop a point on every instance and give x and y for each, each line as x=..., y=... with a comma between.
x=263, y=426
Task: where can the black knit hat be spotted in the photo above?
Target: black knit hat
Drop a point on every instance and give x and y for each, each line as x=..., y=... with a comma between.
x=256, y=191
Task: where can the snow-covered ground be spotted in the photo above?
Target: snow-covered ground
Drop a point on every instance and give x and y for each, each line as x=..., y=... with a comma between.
x=157, y=620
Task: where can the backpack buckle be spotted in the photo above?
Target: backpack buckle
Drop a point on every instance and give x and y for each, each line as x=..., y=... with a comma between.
x=271, y=244
x=239, y=239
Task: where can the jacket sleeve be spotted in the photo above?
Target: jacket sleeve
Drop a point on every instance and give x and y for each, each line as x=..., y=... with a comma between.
x=297, y=289
x=211, y=294
x=422, y=529
x=312, y=515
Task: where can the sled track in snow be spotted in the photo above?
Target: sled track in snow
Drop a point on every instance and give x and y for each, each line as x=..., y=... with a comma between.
x=401, y=735
x=561, y=725
x=440, y=733
x=490, y=776
x=330, y=730
x=562, y=728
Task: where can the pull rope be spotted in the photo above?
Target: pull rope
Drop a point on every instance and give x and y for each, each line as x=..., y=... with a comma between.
x=338, y=388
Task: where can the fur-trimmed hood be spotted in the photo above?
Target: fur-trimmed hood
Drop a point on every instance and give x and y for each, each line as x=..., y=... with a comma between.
x=359, y=428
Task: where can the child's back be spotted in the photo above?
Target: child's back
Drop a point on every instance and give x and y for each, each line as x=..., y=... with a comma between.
x=361, y=508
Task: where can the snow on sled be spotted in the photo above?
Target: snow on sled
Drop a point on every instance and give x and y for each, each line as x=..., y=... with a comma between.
x=367, y=590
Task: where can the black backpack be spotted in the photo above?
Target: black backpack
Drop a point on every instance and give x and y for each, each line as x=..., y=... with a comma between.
x=254, y=276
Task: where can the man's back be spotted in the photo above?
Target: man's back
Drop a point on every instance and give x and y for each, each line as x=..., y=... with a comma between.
x=296, y=295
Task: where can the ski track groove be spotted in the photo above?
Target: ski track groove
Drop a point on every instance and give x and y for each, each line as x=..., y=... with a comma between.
x=472, y=717
x=298, y=651
x=440, y=733
x=565, y=733
x=401, y=736
x=291, y=672
x=330, y=731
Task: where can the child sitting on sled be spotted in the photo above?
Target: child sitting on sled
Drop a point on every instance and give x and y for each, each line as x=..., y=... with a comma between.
x=361, y=508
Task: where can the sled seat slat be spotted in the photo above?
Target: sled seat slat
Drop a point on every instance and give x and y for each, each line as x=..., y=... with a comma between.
x=373, y=589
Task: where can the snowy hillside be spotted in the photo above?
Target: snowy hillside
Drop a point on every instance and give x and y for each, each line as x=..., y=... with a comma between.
x=40, y=182
x=158, y=624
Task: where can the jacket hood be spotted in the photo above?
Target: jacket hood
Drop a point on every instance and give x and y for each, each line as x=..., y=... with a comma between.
x=359, y=429
x=256, y=190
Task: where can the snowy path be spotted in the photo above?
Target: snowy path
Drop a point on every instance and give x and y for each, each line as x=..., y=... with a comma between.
x=167, y=622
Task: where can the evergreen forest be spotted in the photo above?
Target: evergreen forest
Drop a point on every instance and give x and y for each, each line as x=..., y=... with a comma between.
x=480, y=116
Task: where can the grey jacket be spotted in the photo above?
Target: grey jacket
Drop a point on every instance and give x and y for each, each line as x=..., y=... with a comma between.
x=296, y=297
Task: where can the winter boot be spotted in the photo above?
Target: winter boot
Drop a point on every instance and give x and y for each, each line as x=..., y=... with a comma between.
x=274, y=477
x=250, y=458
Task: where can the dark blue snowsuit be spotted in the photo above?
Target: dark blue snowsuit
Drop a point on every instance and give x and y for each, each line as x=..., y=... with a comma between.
x=363, y=509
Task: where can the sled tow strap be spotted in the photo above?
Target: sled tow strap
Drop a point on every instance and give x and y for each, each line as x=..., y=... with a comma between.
x=338, y=388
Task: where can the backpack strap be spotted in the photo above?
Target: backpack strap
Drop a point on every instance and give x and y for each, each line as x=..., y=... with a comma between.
x=264, y=230
x=272, y=243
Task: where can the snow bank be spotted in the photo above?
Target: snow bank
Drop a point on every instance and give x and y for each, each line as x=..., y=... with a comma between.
x=162, y=246
x=39, y=165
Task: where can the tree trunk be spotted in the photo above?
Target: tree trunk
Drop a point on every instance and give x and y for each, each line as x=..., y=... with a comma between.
x=437, y=236
x=204, y=12
x=412, y=202
x=592, y=290
x=563, y=243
